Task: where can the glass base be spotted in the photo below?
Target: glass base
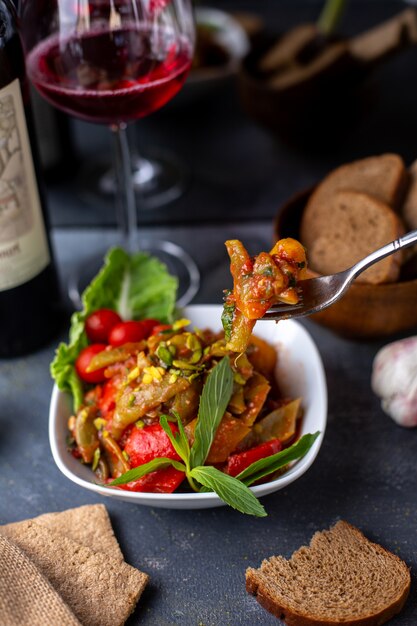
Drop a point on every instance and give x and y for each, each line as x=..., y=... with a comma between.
x=158, y=179
x=177, y=260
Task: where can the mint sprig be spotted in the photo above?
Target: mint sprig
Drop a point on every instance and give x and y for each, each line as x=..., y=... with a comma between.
x=229, y=489
x=214, y=399
x=273, y=463
x=202, y=478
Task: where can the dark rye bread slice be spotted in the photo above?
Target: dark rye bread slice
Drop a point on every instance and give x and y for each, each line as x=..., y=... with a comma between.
x=352, y=226
x=100, y=590
x=341, y=578
x=384, y=177
x=409, y=208
x=385, y=39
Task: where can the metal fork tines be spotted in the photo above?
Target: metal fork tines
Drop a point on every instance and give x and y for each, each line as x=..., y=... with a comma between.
x=315, y=294
x=319, y=293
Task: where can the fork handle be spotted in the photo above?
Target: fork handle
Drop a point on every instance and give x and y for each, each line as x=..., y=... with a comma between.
x=402, y=242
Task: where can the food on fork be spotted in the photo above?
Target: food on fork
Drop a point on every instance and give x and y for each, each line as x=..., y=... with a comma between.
x=259, y=282
x=340, y=578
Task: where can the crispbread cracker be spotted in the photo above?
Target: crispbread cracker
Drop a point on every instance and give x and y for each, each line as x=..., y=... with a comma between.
x=88, y=525
x=27, y=597
x=100, y=590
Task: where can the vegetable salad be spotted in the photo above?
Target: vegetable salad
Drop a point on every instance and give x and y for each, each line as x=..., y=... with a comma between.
x=161, y=406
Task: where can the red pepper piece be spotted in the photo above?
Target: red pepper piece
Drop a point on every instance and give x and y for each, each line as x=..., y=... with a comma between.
x=148, y=443
x=164, y=480
x=107, y=401
x=241, y=460
x=160, y=328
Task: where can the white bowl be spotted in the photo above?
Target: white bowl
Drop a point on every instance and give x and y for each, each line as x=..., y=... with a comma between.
x=300, y=373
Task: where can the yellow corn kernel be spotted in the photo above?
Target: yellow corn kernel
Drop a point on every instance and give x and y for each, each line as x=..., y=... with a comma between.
x=180, y=324
x=99, y=423
x=133, y=374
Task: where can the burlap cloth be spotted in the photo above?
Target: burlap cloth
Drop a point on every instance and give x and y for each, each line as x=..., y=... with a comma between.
x=66, y=569
x=26, y=597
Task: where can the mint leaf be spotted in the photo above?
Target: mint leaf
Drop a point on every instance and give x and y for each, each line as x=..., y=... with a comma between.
x=146, y=468
x=229, y=489
x=272, y=463
x=179, y=440
x=214, y=399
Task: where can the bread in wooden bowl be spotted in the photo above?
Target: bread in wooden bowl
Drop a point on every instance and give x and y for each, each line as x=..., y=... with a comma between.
x=384, y=177
x=366, y=311
x=334, y=235
x=340, y=578
x=309, y=87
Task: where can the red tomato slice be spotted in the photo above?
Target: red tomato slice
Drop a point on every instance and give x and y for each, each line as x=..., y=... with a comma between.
x=99, y=324
x=84, y=360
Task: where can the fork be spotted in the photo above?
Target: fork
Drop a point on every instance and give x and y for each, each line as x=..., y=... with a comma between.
x=317, y=294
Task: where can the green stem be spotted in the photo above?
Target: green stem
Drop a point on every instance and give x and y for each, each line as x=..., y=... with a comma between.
x=191, y=482
x=331, y=16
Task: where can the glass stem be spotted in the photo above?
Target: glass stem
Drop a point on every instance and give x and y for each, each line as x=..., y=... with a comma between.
x=125, y=194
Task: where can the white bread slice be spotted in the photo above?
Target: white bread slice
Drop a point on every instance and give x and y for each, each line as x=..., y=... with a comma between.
x=384, y=177
x=351, y=226
x=341, y=578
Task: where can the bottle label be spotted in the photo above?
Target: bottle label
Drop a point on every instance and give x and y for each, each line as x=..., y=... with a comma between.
x=24, y=251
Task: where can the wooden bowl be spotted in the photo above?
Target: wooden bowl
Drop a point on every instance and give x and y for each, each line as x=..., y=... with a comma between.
x=316, y=113
x=365, y=311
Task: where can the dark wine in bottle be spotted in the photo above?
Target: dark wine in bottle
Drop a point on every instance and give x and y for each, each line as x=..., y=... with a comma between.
x=29, y=293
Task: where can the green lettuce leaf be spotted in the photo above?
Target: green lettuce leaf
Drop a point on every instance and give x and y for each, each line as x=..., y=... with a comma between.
x=137, y=286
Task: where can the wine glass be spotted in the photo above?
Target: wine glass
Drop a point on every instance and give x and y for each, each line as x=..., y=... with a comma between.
x=113, y=62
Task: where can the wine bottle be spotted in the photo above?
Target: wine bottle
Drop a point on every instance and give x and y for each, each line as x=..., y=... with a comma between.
x=29, y=291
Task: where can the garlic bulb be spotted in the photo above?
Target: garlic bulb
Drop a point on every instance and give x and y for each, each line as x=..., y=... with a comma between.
x=394, y=380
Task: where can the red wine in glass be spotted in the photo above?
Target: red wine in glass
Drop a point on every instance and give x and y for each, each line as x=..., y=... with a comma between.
x=112, y=62
x=110, y=76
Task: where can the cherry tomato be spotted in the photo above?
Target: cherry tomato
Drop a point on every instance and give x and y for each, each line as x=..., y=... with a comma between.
x=159, y=328
x=83, y=361
x=99, y=324
x=127, y=332
x=150, y=324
